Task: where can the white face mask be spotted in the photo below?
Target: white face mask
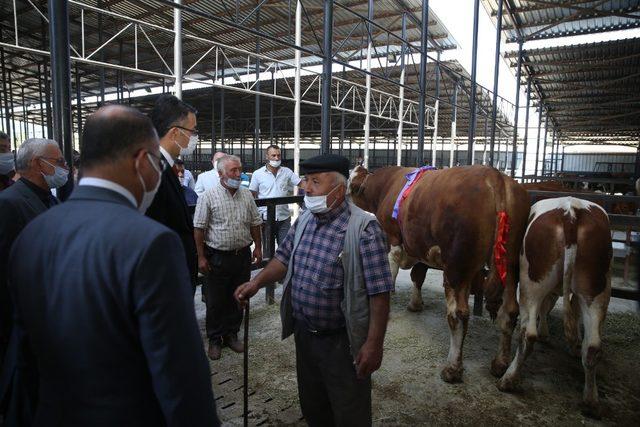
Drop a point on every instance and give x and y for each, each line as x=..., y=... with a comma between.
x=275, y=163
x=232, y=183
x=193, y=142
x=6, y=163
x=147, y=196
x=59, y=177
x=318, y=204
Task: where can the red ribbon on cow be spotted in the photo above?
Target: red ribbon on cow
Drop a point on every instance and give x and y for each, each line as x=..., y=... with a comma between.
x=499, y=249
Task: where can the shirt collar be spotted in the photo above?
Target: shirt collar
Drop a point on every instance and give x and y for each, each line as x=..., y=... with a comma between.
x=110, y=185
x=333, y=214
x=167, y=156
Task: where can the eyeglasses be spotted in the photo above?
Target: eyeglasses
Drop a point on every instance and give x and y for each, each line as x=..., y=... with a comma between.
x=193, y=131
x=60, y=161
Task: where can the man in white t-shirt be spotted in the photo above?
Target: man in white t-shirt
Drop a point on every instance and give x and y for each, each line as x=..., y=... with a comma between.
x=274, y=180
x=209, y=179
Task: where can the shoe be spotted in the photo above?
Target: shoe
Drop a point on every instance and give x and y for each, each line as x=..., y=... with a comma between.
x=215, y=350
x=234, y=343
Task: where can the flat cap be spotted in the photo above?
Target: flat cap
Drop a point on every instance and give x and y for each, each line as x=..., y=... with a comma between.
x=326, y=163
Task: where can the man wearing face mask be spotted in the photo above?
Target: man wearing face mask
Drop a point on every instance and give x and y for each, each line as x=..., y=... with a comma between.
x=7, y=167
x=335, y=298
x=209, y=179
x=175, y=122
x=105, y=298
x=42, y=167
x=226, y=222
x=275, y=180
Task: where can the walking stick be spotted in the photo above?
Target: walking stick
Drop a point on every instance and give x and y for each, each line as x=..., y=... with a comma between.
x=246, y=365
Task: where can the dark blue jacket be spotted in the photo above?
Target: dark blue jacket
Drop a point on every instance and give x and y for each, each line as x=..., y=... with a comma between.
x=104, y=297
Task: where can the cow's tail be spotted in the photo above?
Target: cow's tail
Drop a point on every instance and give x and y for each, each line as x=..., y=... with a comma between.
x=494, y=283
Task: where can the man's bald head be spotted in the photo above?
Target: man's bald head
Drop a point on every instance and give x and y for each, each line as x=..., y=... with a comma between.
x=114, y=132
x=218, y=155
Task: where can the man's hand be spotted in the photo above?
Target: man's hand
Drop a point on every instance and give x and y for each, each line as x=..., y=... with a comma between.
x=257, y=255
x=203, y=265
x=369, y=359
x=245, y=291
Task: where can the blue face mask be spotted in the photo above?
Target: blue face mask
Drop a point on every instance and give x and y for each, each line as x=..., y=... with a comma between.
x=233, y=183
x=6, y=163
x=59, y=177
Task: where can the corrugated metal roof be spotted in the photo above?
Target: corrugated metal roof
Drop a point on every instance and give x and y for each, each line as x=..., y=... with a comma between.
x=536, y=19
x=588, y=89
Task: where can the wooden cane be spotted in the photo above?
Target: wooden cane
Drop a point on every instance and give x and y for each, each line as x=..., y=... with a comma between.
x=246, y=365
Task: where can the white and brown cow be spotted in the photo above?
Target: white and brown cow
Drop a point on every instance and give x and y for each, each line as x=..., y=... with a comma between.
x=450, y=221
x=566, y=252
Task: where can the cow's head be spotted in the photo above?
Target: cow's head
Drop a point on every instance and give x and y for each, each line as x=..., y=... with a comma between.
x=357, y=182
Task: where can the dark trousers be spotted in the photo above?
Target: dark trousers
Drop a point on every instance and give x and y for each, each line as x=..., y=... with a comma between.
x=330, y=393
x=228, y=271
x=282, y=228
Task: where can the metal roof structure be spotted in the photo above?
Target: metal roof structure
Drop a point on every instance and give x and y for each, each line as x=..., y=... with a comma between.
x=544, y=19
x=589, y=91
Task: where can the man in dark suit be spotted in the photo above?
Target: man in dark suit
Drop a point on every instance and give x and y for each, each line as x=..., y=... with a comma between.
x=175, y=122
x=104, y=295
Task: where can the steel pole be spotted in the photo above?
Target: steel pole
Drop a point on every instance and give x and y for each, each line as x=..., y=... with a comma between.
x=526, y=131
x=454, y=113
x=535, y=170
x=61, y=76
x=367, y=101
x=7, y=110
x=514, y=155
x=79, y=106
x=472, y=101
x=544, y=145
x=400, y=144
x=327, y=63
x=434, y=139
x=296, y=108
x=177, y=49
x=553, y=148
x=423, y=82
x=256, y=152
x=496, y=74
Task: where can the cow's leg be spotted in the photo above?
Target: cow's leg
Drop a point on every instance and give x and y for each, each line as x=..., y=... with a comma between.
x=457, y=318
x=418, y=274
x=571, y=322
x=507, y=318
x=394, y=261
x=532, y=301
x=543, y=325
x=593, y=315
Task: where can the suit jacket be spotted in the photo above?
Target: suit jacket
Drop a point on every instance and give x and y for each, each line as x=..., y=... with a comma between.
x=106, y=304
x=18, y=206
x=170, y=208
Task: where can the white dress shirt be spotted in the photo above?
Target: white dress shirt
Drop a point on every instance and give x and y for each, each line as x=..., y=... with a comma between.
x=206, y=180
x=167, y=156
x=268, y=185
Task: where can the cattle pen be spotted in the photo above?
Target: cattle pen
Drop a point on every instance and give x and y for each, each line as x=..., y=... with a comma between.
x=382, y=83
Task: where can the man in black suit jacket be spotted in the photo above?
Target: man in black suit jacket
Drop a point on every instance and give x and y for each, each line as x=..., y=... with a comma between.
x=19, y=204
x=175, y=122
x=104, y=296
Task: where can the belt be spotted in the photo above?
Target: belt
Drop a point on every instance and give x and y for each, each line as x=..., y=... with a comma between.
x=231, y=252
x=318, y=332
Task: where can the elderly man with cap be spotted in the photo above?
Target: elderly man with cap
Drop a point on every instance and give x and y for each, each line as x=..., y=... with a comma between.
x=335, y=299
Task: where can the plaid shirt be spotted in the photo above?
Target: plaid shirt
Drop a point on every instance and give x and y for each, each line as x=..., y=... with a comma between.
x=317, y=282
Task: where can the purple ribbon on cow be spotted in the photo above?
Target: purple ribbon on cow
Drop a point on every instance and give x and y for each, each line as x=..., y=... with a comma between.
x=412, y=177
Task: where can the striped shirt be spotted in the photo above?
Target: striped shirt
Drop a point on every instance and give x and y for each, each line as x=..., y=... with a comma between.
x=226, y=219
x=317, y=281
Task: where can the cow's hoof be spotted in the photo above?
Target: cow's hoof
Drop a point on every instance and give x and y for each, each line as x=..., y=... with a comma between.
x=415, y=308
x=507, y=384
x=498, y=368
x=591, y=410
x=451, y=374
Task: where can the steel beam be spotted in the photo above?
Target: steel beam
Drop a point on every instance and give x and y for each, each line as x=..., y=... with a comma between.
x=61, y=77
x=496, y=76
x=399, y=137
x=423, y=82
x=514, y=155
x=327, y=63
x=434, y=140
x=535, y=171
x=367, y=103
x=544, y=146
x=472, y=101
x=296, y=108
x=79, y=106
x=526, y=131
x=454, y=113
x=177, y=49
x=256, y=152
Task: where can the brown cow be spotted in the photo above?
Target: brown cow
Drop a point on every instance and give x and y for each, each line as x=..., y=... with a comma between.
x=449, y=222
x=566, y=251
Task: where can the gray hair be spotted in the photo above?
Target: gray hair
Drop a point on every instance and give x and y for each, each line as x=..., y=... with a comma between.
x=222, y=161
x=31, y=148
x=339, y=179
